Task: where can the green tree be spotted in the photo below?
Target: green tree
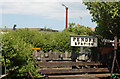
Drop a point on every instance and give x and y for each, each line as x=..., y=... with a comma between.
x=17, y=53
x=17, y=45
x=70, y=26
x=58, y=41
x=80, y=30
x=107, y=17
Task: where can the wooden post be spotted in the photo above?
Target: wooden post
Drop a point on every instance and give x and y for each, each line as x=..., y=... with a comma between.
x=5, y=67
x=114, y=59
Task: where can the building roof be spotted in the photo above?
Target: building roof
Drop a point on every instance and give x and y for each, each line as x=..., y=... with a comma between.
x=93, y=29
x=38, y=29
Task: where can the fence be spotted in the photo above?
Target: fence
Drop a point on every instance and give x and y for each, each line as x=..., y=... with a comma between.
x=57, y=56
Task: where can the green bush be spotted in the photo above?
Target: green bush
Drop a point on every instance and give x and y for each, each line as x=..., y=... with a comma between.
x=17, y=45
x=80, y=30
x=16, y=49
x=58, y=41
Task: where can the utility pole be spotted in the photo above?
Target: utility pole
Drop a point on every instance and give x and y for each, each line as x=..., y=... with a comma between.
x=66, y=15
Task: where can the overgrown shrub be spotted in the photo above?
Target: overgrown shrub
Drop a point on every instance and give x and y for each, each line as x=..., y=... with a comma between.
x=80, y=30
x=17, y=48
x=17, y=45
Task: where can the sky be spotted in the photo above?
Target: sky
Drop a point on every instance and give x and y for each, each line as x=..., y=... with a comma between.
x=43, y=13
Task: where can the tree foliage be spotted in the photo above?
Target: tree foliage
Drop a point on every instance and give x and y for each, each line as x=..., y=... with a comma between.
x=79, y=29
x=58, y=41
x=16, y=50
x=106, y=15
x=17, y=45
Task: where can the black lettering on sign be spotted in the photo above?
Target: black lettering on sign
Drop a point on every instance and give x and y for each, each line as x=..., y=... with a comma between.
x=89, y=39
x=84, y=43
x=74, y=39
x=77, y=39
x=92, y=44
x=82, y=39
x=93, y=39
x=78, y=43
x=81, y=43
x=75, y=43
x=86, y=39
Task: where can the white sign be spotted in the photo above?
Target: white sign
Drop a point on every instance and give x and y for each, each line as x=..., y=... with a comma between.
x=85, y=41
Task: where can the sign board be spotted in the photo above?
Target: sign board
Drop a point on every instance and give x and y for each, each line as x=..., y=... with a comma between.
x=84, y=41
x=110, y=41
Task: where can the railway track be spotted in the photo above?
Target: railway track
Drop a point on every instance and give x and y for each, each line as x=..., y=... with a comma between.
x=73, y=69
x=83, y=76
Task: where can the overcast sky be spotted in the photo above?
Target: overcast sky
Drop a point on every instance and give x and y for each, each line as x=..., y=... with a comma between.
x=43, y=13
